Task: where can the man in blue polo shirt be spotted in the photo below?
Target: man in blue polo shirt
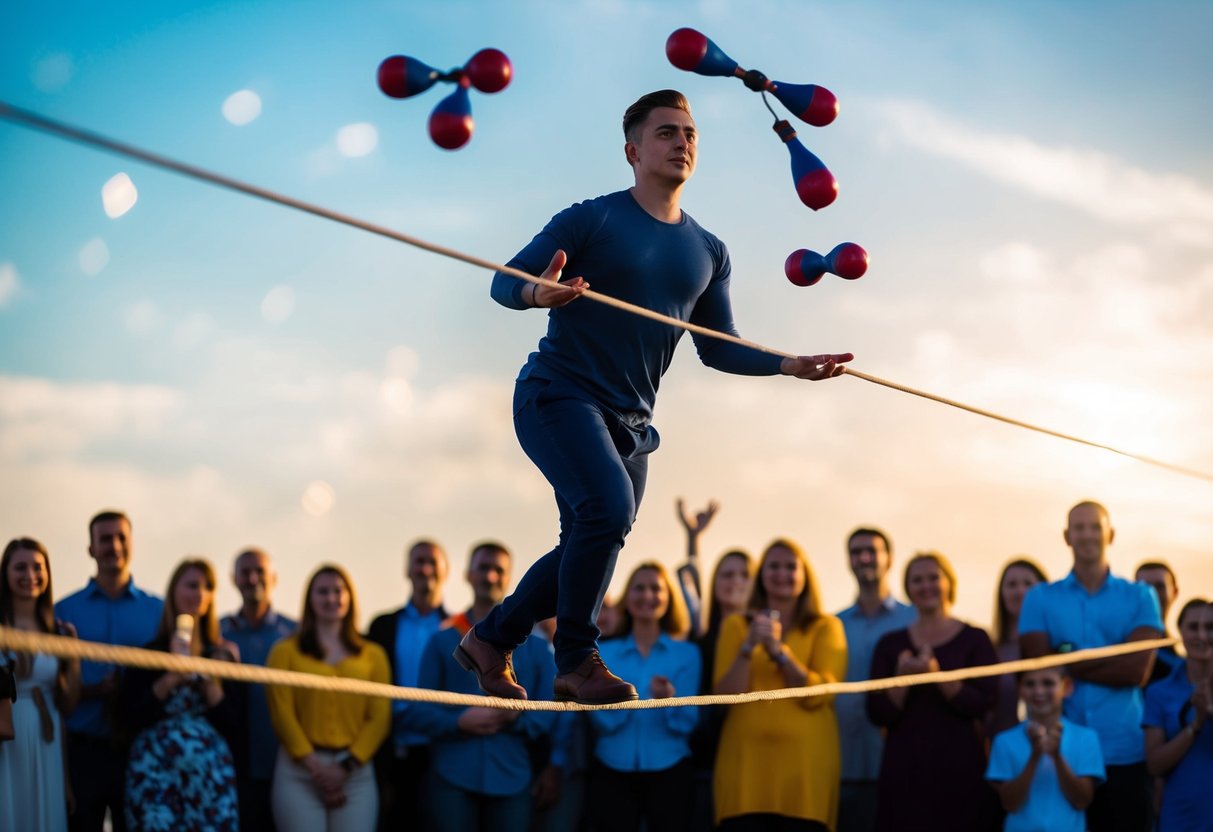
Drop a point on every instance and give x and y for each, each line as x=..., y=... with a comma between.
x=254, y=629
x=481, y=774
x=874, y=613
x=111, y=610
x=1091, y=607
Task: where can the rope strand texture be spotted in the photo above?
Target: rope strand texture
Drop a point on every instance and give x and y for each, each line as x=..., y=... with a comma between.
x=69, y=648
x=33, y=120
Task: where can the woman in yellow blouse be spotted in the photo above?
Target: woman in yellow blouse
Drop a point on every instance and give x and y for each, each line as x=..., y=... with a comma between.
x=778, y=766
x=323, y=779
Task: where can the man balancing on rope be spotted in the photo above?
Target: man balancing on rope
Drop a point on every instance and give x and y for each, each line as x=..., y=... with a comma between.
x=584, y=401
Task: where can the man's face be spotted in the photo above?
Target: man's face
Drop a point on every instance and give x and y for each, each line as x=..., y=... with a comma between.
x=110, y=547
x=255, y=578
x=870, y=559
x=1163, y=584
x=489, y=575
x=664, y=146
x=1088, y=534
x=427, y=569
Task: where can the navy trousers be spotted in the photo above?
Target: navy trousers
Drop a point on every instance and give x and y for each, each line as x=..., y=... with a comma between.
x=596, y=461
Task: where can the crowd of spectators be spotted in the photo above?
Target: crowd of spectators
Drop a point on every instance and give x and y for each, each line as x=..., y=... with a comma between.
x=1112, y=744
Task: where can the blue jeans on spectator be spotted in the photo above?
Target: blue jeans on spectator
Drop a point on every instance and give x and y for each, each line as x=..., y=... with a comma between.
x=453, y=809
x=596, y=460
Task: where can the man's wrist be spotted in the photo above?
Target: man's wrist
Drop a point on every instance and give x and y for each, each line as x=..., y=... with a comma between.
x=348, y=762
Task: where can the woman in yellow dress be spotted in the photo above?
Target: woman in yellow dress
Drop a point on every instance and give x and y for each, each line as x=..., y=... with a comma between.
x=777, y=767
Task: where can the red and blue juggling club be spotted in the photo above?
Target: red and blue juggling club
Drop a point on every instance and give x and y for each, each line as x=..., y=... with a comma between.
x=451, y=122
x=815, y=185
x=808, y=102
x=401, y=76
x=695, y=52
x=489, y=70
x=847, y=260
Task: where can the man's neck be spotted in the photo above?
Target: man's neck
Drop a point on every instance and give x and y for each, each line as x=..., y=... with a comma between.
x=1091, y=574
x=425, y=604
x=113, y=584
x=480, y=611
x=645, y=634
x=255, y=612
x=872, y=597
x=659, y=200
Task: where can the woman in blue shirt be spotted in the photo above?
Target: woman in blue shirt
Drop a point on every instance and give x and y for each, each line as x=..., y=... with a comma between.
x=1179, y=745
x=642, y=759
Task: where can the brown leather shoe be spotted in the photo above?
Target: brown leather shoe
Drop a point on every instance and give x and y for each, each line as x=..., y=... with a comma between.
x=493, y=666
x=592, y=684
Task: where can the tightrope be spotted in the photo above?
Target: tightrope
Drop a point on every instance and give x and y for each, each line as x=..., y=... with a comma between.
x=70, y=648
x=26, y=118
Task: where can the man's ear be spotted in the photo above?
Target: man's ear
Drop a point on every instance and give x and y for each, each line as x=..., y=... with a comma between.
x=629, y=152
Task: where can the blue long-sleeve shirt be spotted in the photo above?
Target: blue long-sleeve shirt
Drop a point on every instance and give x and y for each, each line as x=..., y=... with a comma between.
x=498, y=764
x=648, y=740
x=678, y=269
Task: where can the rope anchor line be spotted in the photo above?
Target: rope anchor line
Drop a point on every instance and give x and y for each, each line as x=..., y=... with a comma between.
x=65, y=647
x=27, y=118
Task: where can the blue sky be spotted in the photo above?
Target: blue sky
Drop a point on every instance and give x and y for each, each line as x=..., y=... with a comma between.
x=1032, y=181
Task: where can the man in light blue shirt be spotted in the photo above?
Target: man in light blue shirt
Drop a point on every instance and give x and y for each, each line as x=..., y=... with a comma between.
x=874, y=613
x=402, y=763
x=1088, y=608
x=254, y=629
x=111, y=610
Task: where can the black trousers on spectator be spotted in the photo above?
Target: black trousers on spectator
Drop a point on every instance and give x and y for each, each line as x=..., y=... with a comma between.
x=256, y=807
x=620, y=800
x=768, y=822
x=401, y=778
x=98, y=775
x=857, y=806
x=1125, y=801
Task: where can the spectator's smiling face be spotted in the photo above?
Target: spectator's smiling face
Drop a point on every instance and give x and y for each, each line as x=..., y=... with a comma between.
x=1015, y=585
x=870, y=559
x=1043, y=692
x=427, y=568
x=1088, y=534
x=110, y=546
x=254, y=577
x=732, y=587
x=782, y=575
x=489, y=575
x=1196, y=630
x=927, y=586
x=27, y=574
x=647, y=598
x=330, y=598
x=192, y=594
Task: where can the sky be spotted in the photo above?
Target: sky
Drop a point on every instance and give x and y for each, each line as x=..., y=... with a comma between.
x=1032, y=181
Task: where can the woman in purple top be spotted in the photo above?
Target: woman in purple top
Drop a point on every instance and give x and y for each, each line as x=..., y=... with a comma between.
x=935, y=748
x=1018, y=576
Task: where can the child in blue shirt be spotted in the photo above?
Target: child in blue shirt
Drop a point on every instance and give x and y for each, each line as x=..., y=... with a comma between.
x=1045, y=769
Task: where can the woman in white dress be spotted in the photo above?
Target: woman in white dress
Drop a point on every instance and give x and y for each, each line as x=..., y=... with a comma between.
x=33, y=789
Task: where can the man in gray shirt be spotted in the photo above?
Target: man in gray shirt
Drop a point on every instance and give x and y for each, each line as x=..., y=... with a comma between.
x=874, y=613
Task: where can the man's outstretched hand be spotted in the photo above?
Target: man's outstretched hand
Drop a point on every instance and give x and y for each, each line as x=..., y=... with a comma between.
x=816, y=367
x=549, y=297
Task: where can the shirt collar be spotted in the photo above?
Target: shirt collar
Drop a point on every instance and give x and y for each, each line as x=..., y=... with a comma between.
x=410, y=611
x=1072, y=581
x=663, y=642
x=130, y=590
x=239, y=622
x=887, y=604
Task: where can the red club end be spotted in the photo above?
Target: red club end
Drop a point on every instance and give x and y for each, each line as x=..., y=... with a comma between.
x=489, y=70
x=850, y=261
x=685, y=48
x=817, y=188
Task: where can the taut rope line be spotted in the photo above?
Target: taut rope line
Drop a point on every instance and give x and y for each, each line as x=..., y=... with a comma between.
x=27, y=118
x=65, y=647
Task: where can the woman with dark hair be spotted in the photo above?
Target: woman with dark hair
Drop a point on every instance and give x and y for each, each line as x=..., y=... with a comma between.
x=323, y=780
x=642, y=759
x=1018, y=576
x=33, y=789
x=932, y=771
x=778, y=763
x=1179, y=743
x=180, y=775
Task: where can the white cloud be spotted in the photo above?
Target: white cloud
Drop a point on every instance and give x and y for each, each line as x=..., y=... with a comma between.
x=242, y=107
x=118, y=195
x=1087, y=179
x=278, y=304
x=94, y=256
x=359, y=139
x=9, y=284
x=53, y=72
x=144, y=318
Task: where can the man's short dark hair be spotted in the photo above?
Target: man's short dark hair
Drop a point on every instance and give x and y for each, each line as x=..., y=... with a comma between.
x=487, y=546
x=1158, y=564
x=635, y=115
x=108, y=516
x=888, y=544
